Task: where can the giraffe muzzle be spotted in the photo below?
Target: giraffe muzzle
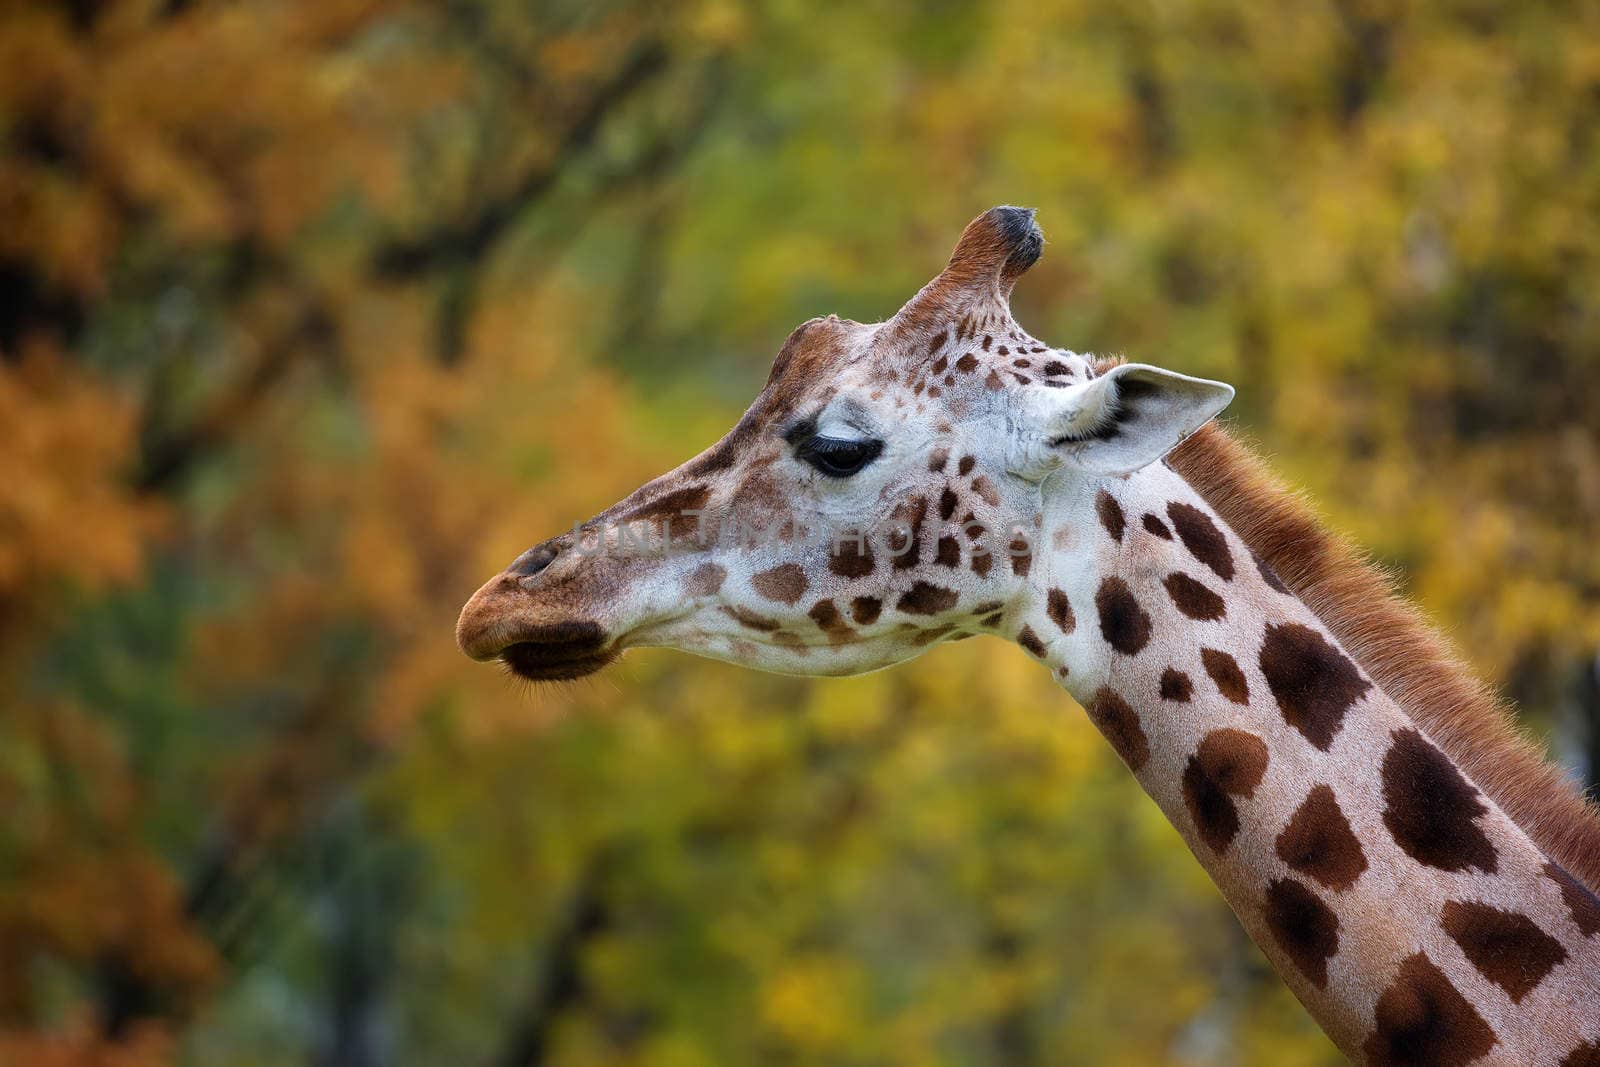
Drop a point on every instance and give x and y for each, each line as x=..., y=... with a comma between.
x=503, y=622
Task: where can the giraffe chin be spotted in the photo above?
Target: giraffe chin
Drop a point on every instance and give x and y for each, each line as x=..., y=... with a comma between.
x=558, y=662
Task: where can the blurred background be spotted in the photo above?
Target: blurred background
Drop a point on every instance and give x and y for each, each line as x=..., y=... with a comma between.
x=315, y=313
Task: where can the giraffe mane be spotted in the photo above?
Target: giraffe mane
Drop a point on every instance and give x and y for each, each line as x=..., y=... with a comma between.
x=1393, y=642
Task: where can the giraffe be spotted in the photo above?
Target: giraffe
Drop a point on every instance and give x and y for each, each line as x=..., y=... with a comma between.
x=1400, y=856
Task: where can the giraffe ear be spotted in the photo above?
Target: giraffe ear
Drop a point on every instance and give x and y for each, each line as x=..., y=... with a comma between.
x=1127, y=418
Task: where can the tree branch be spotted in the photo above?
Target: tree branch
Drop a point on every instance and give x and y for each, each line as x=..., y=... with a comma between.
x=166, y=458
x=469, y=239
x=559, y=982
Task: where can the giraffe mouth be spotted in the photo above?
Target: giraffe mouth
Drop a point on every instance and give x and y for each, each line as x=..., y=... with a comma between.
x=557, y=653
x=539, y=662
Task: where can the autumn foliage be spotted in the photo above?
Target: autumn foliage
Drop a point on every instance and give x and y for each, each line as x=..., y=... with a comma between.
x=314, y=313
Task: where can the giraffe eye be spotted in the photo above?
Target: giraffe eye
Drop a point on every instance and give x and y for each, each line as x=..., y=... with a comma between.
x=836, y=457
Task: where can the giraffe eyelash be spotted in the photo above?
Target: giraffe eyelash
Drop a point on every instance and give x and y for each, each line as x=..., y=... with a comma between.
x=837, y=457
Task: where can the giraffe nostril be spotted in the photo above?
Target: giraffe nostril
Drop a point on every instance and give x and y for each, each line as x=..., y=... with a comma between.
x=534, y=560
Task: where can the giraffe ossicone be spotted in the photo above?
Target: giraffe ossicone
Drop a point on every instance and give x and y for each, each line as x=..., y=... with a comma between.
x=944, y=474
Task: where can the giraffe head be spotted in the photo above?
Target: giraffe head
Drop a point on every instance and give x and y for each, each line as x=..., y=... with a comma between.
x=884, y=492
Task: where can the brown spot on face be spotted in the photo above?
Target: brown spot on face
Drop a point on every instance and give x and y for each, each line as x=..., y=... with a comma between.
x=785, y=583
x=993, y=382
x=1110, y=512
x=705, y=580
x=1202, y=538
x=1421, y=1019
x=1120, y=725
x=865, y=610
x=1021, y=556
x=1319, y=842
x=1506, y=947
x=1431, y=809
x=1059, y=608
x=938, y=343
x=1583, y=905
x=1585, y=1055
x=1268, y=575
x=1123, y=622
x=987, y=341
x=1304, y=927
x=1228, y=763
x=909, y=516
x=1193, y=598
x=966, y=465
x=967, y=363
x=985, y=490
x=1175, y=686
x=941, y=363
x=851, y=557
x=1055, y=367
x=749, y=619
x=992, y=620
x=1030, y=641
x=948, y=502
x=1157, y=527
x=949, y=553
x=1224, y=670
x=828, y=619
x=1313, y=682
x=670, y=511
x=981, y=562
x=938, y=459
x=792, y=641
x=925, y=598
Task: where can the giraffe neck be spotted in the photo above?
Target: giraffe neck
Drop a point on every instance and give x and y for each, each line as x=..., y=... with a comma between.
x=1415, y=921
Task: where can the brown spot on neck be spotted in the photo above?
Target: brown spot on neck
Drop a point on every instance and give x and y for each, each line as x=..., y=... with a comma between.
x=1059, y=608
x=1201, y=537
x=1224, y=671
x=1228, y=763
x=1176, y=686
x=1303, y=926
x=1585, y=1055
x=1318, y=842
x=1506, y=947
x=1422, y=1018
x=1393, y=644
x=1120, y=725
x=1110, y=512
x=1582, y=905
x=1193, y=598
x=1431, y=810
x=1123, y=623
x=1313, y=682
